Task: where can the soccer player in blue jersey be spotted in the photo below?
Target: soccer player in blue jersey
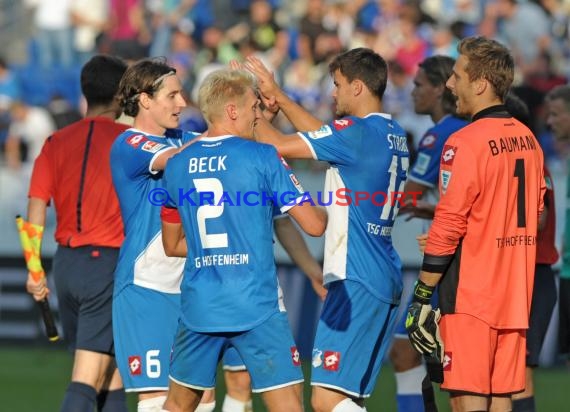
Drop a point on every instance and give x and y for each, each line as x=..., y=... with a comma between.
x=430, y=97
x=223, y=190
x=146, y=300
x=238, y=383
x=369, y=160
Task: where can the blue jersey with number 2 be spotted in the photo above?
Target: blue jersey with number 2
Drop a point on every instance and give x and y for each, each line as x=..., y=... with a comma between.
x=225, y=189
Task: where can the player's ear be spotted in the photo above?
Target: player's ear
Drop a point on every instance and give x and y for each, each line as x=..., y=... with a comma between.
x=481, y=85
x=231, y=111
x=357, y=87
x=440, y=90
x=144, y=100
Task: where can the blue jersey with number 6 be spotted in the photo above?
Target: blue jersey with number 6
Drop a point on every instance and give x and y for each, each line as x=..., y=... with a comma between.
x=369, y=163
x=225, y=189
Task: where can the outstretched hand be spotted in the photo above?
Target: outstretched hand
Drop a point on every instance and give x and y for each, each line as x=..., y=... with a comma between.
x=268, y=87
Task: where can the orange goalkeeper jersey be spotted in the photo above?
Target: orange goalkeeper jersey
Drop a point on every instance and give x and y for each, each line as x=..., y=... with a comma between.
x=483, y=237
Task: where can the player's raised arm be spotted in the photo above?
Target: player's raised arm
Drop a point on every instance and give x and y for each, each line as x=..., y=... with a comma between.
x=298, y=116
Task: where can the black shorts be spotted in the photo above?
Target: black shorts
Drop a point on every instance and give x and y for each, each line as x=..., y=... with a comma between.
x=543, y=302
x=84, y=283
x=564, y=314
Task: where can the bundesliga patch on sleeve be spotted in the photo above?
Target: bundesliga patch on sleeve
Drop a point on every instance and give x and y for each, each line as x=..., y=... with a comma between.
x=136, y=139
x=296, y=183
x=548, y=182
x=448, y=154
x=152, y=147
x=283, y=162
x=422, y=163
x=340, y=124
x=324, y=131
x=445, y=178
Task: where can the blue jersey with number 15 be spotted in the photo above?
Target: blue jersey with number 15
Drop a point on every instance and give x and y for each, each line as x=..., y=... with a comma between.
x=225, y=189
x=369, y=162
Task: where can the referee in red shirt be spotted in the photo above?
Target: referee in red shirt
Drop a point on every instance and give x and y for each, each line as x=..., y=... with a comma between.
x=73, y=170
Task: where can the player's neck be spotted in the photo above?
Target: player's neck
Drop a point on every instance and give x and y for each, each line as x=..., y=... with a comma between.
x=109, y=112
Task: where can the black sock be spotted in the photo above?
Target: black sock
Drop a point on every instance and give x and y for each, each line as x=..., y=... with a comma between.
x=79, y=397
x=112, y=401
x=524, y=404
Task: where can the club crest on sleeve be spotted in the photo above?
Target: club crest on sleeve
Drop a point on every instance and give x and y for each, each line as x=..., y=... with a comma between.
x=340, y=124
x=331, y=361
x=448, y=154
x=324, y=131
x=295, y=357
x=136, y=139
x=428, y=141
x=135, y=365
x=152, y=147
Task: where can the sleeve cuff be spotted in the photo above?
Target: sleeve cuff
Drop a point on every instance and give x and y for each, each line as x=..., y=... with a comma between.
x=436, y=264
x=170, y=215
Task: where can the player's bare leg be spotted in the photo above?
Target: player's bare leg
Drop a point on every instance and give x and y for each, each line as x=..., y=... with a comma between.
x=287, y=399
x=238, y=396
x=151, y=401
x=181, y=398
x=527, y=396
x=327, y=400
x=94, y=373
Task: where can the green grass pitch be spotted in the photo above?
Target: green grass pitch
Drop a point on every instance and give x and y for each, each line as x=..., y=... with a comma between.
x=33, y=379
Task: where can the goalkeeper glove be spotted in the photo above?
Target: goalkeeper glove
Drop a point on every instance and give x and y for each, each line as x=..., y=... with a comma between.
x=421, y=322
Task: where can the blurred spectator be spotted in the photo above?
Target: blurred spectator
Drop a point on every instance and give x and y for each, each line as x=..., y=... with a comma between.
x=54, y=38
x=182, y=57
x=90, y=19
x=167, y=17
x=263, y=26
x=29, y=128
x=128, y=36
x=62, y=112
x=398, y=102
x=311, y=24
x=443, y=41
x=9, y=86
x=523, y=26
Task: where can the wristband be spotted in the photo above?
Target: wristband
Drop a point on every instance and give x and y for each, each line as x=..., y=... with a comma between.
x=422, y=292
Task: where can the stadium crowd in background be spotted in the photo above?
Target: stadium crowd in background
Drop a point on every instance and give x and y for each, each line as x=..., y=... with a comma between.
x=295, y=39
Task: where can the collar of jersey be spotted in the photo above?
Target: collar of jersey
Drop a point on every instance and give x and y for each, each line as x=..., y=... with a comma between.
x=216, y=138
x=132, y=129
x=384, y=115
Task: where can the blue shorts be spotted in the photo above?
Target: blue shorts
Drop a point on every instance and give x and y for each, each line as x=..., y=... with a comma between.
x=232, y=361
x=268, y=351
x=353, y=334
x=144, y=324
